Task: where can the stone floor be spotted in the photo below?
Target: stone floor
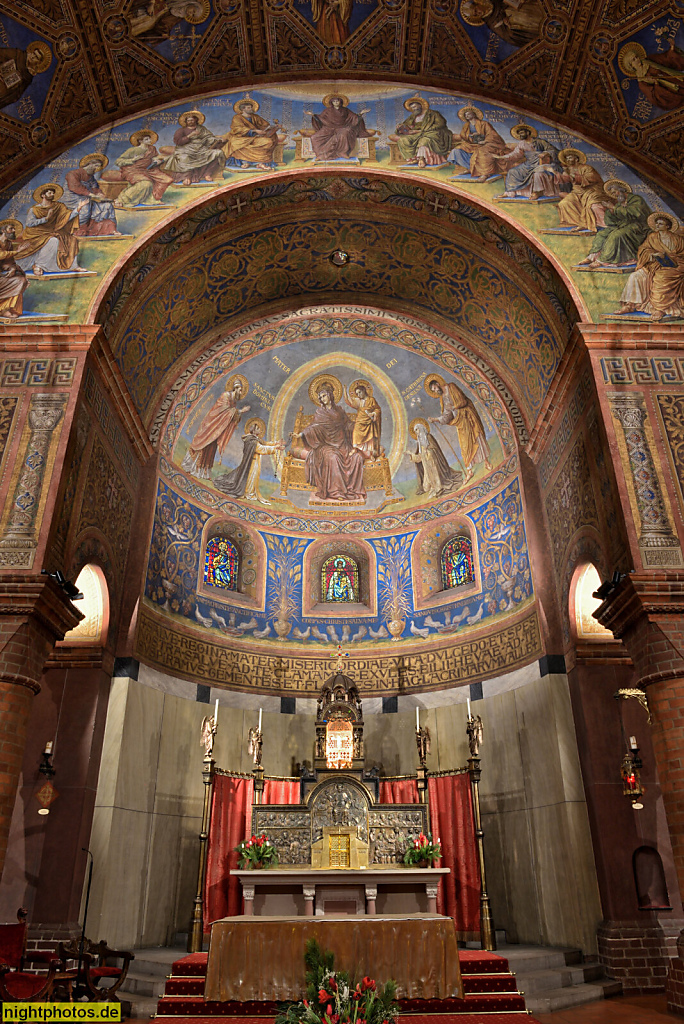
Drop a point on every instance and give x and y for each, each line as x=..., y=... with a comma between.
x=617, y=1010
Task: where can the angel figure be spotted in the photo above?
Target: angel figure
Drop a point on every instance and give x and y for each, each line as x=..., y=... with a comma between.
x=208, y=732
x=475, y=733
x=423, y=743
x=254, y=744
x=332, y=20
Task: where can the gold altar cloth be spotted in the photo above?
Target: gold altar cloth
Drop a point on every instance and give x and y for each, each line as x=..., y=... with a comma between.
x=262, y=958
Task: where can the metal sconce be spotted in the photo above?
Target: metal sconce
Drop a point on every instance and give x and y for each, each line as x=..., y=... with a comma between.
x=47, y=792
x=630, y=770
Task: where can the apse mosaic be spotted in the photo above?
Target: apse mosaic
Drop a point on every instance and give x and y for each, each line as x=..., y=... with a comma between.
x=616, y=238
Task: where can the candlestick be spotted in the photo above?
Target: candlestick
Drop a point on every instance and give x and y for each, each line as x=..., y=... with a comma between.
x=216, y=713
x=260, y=713
x=48, y=747
x=468, y=701
x=633, y=743
x=417, y=719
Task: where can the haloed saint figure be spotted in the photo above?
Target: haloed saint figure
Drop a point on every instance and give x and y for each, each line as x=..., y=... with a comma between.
x=332, y=19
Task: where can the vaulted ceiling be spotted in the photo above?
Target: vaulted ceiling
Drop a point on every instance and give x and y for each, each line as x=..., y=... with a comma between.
x=111, y=58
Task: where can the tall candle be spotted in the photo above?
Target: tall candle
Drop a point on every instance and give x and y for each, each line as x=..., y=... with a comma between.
x=417, y=719
x=633, y=743
x=216, y=713
x=468, y=700
x=260, y=713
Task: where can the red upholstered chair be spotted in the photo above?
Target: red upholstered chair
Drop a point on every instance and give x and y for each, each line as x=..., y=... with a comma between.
x=16, y=983
x=97, y=968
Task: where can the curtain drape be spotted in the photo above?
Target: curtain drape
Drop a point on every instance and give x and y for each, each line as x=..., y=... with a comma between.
x=451, y=813
x=398, y=791
x=231, y=814
x=281, y=791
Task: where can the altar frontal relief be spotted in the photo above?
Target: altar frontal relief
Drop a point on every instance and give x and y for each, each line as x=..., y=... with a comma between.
x=337, y=490
x=63, y=231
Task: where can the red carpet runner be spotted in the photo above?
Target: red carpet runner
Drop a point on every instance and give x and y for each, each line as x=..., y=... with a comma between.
x=489, y=988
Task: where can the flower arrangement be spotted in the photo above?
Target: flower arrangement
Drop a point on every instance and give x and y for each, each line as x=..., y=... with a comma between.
x=257, y=852
x=423, y=851
x=333, y=998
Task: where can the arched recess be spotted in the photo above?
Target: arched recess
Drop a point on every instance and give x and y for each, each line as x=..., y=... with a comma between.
x=426, y=554
x=649, y=879
x=251, y=568
x=91, y=631
x=314, y=600
x=585, y=582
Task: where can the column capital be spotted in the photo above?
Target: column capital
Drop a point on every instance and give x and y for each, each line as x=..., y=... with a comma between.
x=40, y=597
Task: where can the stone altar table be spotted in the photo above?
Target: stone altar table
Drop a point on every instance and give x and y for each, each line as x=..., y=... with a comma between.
x=262, y=958
x=315, y=892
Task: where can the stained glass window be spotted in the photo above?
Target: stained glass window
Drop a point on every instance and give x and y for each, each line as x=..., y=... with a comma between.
x=340, y=579
x=221, y=564
x=457, y=563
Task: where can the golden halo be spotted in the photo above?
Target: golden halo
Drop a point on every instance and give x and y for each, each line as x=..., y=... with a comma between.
x=614, y=182
x=668, y=216
x=515, y=132
x=197, y=19
x=133, y=139
x=414, y=423
x=245, y=99
x=478, y=113
x=59, y=191
x=242, y=380
x=327, y=100
x=627, y=50
x=182, y=120
x=475, y=19
x=39, y=47
x=318, y=382
x=361, y=383
x=562, y=156
x=430, y=379
x=256, y=421
x=96, y=158
x=16, y=224
x=424, y=105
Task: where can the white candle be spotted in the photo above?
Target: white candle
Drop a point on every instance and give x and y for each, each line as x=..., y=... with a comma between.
x=48, y=747
x=468, y=700
x=216, y=713
x=633, y=743
x=260, y=713
x=417, y=719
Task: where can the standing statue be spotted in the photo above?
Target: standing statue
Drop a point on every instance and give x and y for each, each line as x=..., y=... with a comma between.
x=208, y=733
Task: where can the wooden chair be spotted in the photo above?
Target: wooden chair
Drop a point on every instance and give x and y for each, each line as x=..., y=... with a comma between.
x=376, y=472
x=16, y=983
x=96, y=967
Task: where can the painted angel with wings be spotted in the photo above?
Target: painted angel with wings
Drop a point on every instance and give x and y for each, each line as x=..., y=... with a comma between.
x=332, y=20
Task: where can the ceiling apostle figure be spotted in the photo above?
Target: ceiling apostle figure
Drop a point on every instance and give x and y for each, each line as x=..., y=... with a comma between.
x=332, y=19
x=334, y=467
x=198, y=155
x=243, y=482
x=216, y=429
x=337, y=128
x=368, y=422
x=12, y=278
x=458, y=411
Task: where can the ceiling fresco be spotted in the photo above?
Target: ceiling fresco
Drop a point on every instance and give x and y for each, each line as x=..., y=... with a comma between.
x=79, y=218
x=609, y=71
x=327, y=473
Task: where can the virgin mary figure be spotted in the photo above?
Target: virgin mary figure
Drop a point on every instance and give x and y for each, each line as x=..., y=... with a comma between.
x=334, y=467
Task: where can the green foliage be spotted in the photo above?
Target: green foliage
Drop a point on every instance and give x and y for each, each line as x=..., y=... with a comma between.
x=333, y=997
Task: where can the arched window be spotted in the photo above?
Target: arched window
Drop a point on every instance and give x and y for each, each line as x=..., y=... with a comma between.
x=587, y=627
x=90, y=630
x=457, y=563
x=221, y=564
x=340, y=579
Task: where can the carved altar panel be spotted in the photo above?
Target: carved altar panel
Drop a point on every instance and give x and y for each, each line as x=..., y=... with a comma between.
x=391, y=829
x=289, y=828
x=339, y=802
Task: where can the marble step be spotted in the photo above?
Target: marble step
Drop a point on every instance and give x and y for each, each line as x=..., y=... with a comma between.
x=562, y=977
x=575, y=995
x=141, y=1007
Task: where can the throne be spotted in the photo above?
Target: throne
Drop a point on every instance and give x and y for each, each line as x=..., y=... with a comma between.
x=376, y=472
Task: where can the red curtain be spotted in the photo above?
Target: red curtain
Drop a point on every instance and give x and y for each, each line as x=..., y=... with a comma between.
x=398, y=791
x=281, y=791
x=451, y=813
x=231, y=815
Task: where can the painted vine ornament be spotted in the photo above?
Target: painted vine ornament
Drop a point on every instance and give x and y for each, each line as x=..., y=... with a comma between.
x=334, y=997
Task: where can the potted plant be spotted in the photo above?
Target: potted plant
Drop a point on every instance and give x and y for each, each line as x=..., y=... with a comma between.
x=332, y=997
x=257, y=852
x=422, y=852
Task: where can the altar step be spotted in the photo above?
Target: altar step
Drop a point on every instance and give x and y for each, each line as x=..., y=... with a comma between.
x=555, y=978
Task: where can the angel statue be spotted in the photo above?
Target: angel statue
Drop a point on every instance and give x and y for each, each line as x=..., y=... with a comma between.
x=423, y=743
x=254, y=744
x=208, y=733
x=475, y=733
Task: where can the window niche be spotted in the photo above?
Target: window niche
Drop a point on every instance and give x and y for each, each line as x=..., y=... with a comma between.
x=583, y=604
x=232, y=565
x=649, y=879
x=445, y=566
x=339, y=575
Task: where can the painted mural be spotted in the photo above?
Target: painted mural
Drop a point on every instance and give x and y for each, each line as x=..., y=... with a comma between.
x=63, y=232
x=284, y=472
